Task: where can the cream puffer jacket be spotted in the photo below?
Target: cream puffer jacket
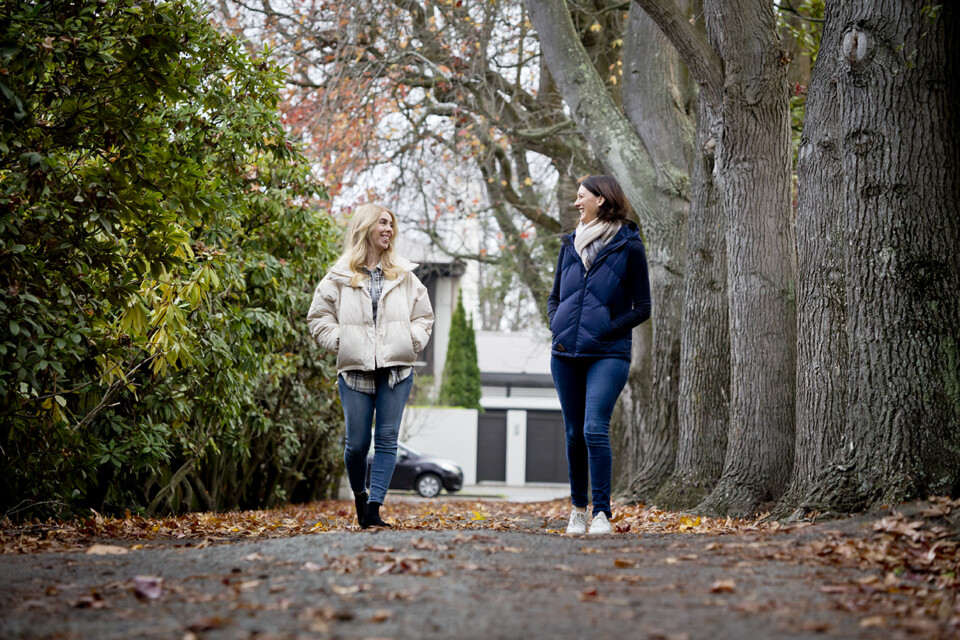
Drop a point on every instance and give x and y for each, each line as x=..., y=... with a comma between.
x=341, y=319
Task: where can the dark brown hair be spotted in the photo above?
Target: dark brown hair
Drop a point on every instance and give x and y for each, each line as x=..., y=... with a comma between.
x=615, y=205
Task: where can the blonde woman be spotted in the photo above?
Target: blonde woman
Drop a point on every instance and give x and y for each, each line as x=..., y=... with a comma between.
x=375, y=313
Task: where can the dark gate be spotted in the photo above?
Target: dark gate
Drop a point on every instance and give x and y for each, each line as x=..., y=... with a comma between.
x=546, y=447
x=492, y=446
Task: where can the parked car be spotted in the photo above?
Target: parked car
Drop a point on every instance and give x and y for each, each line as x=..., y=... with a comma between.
x=422, y=473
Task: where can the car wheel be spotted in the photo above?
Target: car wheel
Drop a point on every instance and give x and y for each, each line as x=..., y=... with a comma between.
x=429, y=485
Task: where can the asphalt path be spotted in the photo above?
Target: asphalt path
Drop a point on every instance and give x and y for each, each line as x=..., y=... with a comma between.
x=427, y=584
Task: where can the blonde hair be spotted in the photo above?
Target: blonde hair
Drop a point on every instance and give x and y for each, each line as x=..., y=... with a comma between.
x=357, y=243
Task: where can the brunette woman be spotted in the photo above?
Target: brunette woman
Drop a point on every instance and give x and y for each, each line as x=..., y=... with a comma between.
x=600, y=293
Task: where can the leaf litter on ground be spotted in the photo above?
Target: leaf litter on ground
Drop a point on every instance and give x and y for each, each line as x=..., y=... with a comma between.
x=908, y=559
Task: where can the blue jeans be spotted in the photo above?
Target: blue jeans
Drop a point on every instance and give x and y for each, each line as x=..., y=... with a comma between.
x=358, y=412
x=588, y=389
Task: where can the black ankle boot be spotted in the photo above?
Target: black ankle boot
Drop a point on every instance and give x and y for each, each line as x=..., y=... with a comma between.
x=372, y=516
x=360, y=500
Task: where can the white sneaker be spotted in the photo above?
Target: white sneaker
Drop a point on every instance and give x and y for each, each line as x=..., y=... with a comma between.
x=600, y=524
x=578, y=521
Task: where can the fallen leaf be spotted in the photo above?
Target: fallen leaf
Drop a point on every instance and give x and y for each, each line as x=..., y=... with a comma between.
x=421, y=544
x=723, y=586
x=623, y=563
x=106, y=550
x=147, y=587
x=874, y=621
x=381, y=615
x=345, y=590
x=589, y=595
x=833, y=588
x=208, y=624
x=92, y=601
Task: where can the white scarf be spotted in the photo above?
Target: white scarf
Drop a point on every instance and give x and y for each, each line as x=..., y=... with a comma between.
x=592, y=237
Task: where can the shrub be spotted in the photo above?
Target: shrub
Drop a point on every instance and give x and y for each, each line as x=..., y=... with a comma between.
x=160, y=242
x=461, y=374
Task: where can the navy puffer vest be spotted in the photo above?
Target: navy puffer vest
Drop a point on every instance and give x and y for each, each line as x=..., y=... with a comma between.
x=592, y=312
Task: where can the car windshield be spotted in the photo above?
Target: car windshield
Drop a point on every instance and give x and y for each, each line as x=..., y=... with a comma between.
x=401, y=448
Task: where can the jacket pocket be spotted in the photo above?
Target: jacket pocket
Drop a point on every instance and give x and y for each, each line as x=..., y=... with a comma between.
x=352, y=345
x=419, y=338
x=397, y=344
x=607, y=334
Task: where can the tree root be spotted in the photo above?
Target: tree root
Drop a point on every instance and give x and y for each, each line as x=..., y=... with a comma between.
x=681, y=492
x=733, y=497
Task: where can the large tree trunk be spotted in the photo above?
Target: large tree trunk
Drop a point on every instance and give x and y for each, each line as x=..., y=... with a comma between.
x=705, y=339
x=899, y=145
x=753, y=173
x=658, y=100
x=821, y=295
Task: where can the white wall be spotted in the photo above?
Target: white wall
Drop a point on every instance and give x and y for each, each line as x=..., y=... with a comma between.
x=516, y=447
x=445, y=433
x=490, y=401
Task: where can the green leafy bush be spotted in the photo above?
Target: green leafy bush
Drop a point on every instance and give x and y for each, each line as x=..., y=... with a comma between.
x=160, y=243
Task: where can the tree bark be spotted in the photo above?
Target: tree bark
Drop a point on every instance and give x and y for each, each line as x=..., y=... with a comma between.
x=753, y=177
x=600, y=121
x=705, y=339
x=694, y=49
x=753, y=173
x=822, y=352
x=899, y=146
x=656, y=98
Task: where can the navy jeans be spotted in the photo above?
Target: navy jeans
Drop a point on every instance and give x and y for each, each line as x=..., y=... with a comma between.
x=588, y=389
x=358, y=412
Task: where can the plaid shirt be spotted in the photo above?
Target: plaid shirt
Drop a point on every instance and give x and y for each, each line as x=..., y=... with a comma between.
x=366, y=381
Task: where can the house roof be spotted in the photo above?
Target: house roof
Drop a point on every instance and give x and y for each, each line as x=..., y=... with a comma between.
x=431, y=260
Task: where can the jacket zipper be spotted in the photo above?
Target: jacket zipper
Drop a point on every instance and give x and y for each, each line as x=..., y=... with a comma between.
x=583, y=285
